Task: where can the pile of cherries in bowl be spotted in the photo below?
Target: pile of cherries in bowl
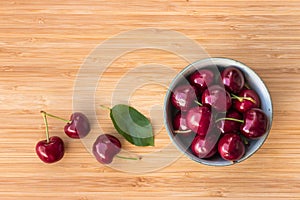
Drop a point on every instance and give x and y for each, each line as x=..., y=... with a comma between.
x=218, y=114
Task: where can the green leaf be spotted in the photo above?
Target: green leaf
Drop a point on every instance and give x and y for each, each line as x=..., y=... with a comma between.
x=132, y=125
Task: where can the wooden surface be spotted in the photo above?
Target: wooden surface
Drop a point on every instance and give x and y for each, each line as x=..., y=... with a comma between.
x=44, y=43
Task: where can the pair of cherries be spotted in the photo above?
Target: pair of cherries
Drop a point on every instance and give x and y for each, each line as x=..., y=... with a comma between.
x=51, y=150
x=227, y=112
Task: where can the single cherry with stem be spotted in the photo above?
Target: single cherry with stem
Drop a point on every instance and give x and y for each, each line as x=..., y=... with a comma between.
x=52, y=149
x=254, y=125
x=106, y=147
x=77, y=127
x=245, y=100
x=226, y=126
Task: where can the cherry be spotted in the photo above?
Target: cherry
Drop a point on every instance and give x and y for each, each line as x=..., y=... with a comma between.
x=201, y=79
x=106, y=147
x=77, y=127
x=180, y=125
x=198, y=120
x=216, y=97
x=231, y=147
x=233, y=79
x=52, y=149
x=245, y=100
x=183, y=97
x=255, y=123
x=226, y=126
x=205, y=147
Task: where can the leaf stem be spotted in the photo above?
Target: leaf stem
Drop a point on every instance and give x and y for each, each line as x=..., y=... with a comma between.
x=105, y=107
x=128, y=158
x=231, y=119
x=46, y=124
x=56, y=117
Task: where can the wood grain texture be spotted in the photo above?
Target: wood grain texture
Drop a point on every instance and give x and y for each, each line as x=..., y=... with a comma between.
x=44, y=43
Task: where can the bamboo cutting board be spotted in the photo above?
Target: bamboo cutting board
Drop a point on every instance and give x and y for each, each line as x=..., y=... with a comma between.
x=43, y=44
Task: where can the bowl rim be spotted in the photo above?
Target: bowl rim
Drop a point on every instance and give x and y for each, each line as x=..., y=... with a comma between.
x=173, y=84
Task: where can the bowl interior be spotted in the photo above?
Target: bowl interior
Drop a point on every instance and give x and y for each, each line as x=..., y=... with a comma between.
x=214, y=64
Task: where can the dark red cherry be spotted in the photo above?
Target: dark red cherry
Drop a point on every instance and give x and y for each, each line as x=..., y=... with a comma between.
x=198, y=119
x=180, y=125
x=106, y=147
x=245, y=100
x=255, y=123
x=233, y=79
x=216, y=97
x=227, y=126
x=50, y=151
x=201, y=79
x=231, y=147
x=183, y=97
x=78, y=127
x=205, y=147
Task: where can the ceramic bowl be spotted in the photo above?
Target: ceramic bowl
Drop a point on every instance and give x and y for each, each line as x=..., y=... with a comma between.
x=216, y=65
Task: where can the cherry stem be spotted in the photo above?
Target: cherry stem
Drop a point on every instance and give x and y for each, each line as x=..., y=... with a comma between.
x=105, y=107
x=56, y=117
x=231, y=119
x=128, y=158
x=46, y=124
x=247, y=86
x=244, y=140
x=197, y=102
x=240, y=99
x=182, y=132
